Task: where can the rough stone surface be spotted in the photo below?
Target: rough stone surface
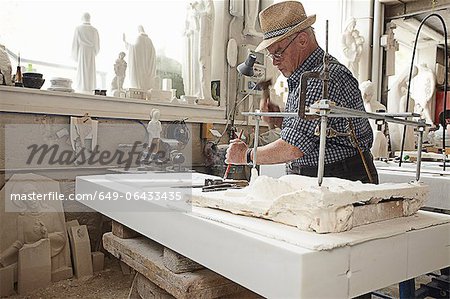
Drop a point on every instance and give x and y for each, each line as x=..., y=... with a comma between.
x=145, y=256
x=178, y=263
x=98, y=261
x=298, y=201
x=81, y=251
x=142, y=288
x=7, y=281
x=34, y=266
x=122, y=231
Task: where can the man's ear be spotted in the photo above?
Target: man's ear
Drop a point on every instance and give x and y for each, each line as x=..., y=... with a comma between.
x=303, y=39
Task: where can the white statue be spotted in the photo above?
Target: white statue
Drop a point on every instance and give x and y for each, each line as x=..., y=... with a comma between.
x=154, y=130
x=141, y=61
x=391, y=46
x=380, y=145
x=120, y=68
x=205, y=10
x=396, y=103
x=190, y=71
x=422, y=90
x=198, y=50
x=85, y=46
x=352, y=46
x=251, y=16
x=436, y=137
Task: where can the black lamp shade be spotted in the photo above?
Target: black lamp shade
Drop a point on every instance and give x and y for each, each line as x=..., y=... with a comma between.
x=246, y=68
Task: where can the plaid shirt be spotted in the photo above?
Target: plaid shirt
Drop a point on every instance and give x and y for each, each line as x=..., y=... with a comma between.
x=343, y=89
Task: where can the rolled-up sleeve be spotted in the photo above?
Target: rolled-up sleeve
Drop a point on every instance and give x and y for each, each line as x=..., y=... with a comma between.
x=300, y=133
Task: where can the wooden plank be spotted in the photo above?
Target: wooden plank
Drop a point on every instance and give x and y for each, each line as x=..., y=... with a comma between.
x=122, y=231
x=147, y=289
x=178, y=263
x=145, y=256
x=126, y=270
x=381, y=211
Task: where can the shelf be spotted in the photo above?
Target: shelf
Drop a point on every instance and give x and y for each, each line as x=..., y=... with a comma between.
x=25, y=100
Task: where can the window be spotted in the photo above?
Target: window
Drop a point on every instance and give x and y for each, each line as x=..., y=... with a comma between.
x=42, y=31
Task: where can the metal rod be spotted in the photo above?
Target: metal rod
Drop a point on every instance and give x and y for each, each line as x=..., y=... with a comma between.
x=255, y=142
x=347, y=112
x=419, y=152
x=293, y=114
x=323, y=140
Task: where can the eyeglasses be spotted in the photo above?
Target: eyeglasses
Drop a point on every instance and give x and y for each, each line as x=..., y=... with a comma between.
x=279, y=55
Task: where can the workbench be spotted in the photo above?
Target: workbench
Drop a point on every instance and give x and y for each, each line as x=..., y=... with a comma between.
x=275, y=260
x=431, y=174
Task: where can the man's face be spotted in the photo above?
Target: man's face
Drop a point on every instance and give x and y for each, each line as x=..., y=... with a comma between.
x=284, y=54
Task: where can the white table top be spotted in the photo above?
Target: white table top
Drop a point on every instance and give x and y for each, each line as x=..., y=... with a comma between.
x=278, y=261
x=431, y=174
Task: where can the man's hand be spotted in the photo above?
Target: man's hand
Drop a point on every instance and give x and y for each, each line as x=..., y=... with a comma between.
x=236, y=152
x=265, y=105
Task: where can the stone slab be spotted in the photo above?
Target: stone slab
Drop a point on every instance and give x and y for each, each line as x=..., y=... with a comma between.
x=34, y=266
x=370, y=213
x=7, y=281
x=298, y=201
x=71, y=223
x=178, y=263
x=19, y=223
x=98, y=261
x=62, y=274
x=122, y=231
x=142, y=288
x=437, y=180
x=126, y=270
x=81, y=251
x=145, y=256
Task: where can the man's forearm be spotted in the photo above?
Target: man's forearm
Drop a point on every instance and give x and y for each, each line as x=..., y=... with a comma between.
x=278, y=151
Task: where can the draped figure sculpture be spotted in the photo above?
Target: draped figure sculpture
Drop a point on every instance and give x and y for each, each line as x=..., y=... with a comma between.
x=352, y=46
x=190, y=70
x=397, y=96
x=251, y=16
x=154, y=130
x=205, y=9
x=422, y=90
x=85, y=46
x=379, y=147
x=120, y=68
x=141, y=61
x=198, y=50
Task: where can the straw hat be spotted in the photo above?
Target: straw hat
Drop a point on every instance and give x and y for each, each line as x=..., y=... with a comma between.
x=281, y=20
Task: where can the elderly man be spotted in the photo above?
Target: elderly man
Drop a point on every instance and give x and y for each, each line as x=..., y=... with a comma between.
x=292, y=46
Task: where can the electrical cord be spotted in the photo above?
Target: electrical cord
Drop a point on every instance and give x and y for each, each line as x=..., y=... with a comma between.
x=234, y=110
x=445, y=84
